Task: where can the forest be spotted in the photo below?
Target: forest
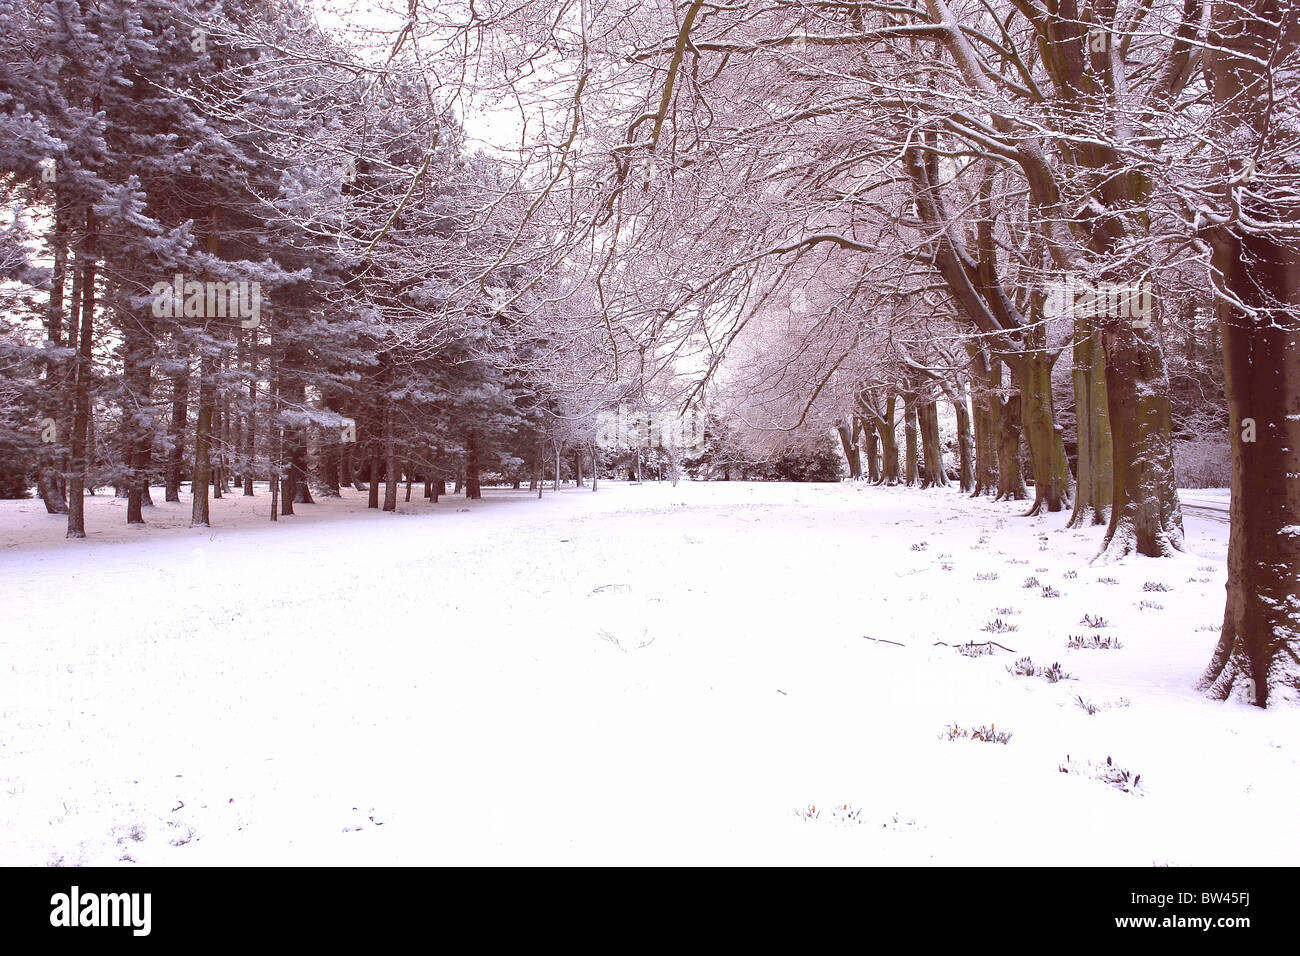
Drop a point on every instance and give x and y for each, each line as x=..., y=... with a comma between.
x=1044, y=252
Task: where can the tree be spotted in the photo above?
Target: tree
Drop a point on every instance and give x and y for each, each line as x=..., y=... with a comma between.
x=1254, y=235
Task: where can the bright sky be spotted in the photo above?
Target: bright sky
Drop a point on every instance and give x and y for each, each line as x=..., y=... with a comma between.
x=374, y=25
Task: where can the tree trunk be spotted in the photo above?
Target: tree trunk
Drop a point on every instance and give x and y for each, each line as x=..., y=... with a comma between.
x=52, y=376
x=250, y=424
x=539, y=468
x=217, y=450
x=373, y=500
x=176, y=433
x=296, y=439
x=473, y=486
x=932, y=472
x=1258, y=654
x=288, y=477
x=909, y=435
x=277, y=453
x=1145, y=515
x=200, y=515
x=137, y=417
x=81, y=388
x=328, y=455
x=1093, y=487
x=1031, y=375
x=850, y=446
x=888, y=427
x=1006, y=421
x=965, y=442
x=986, y=457
x=284, y=475
x=868, y=430
x=347, y=478
x=390, y=461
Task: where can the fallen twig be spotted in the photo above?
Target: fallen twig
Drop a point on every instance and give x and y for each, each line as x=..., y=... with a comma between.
x=973, y=644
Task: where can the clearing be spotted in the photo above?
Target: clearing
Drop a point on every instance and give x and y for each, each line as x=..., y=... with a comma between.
x=707, y=673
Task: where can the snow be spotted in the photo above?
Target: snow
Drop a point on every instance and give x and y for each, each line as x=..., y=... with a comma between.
x=646, y=674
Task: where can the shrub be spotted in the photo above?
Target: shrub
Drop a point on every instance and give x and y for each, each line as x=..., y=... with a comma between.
x=1110, y=773
x=1203, y=463
x=988, y=735
x=1094, y=643
x=1025, y=667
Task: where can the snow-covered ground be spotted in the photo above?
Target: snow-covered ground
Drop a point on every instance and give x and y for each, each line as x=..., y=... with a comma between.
x=727, y=672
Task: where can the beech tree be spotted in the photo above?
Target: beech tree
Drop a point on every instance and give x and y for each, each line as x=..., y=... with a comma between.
x=1253, y=230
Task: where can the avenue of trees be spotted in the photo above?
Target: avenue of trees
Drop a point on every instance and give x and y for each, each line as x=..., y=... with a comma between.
x=1069, y=227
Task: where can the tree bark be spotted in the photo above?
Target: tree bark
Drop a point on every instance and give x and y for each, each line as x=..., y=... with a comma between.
x=176, y=432
x=328, y=456
x=909, y=436
x=373, y=499
x=849, y=443
x=932, y=470
x=52, y=390
x=888, y=429
x=986, y=456
x=1145, y=515
x=1006, y=419
x=347, y=477
x=965, y=441
x=473, y=486
x=868, y=429
x=1092, y=495
x=81, y=388
x=283, y=475
x=1258, y=653
x=200, y=515
x=137, y=417
x=390, y=462
x=250, y=422
x=1031, y=376
x=219, y=442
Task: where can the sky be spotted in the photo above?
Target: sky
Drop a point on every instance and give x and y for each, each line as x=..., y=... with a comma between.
x=376, y=24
